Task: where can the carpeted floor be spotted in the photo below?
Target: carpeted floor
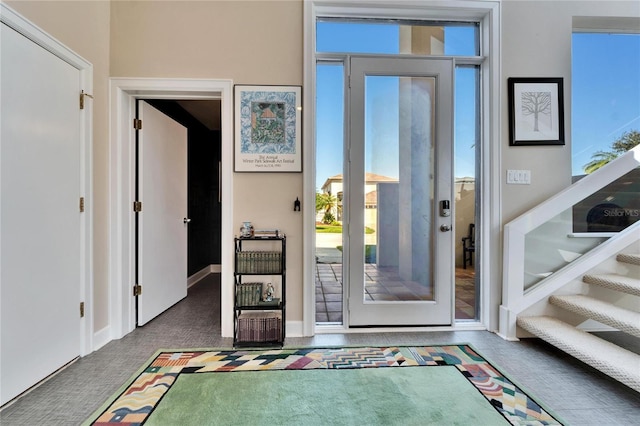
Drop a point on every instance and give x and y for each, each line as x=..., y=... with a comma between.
x=449, y=384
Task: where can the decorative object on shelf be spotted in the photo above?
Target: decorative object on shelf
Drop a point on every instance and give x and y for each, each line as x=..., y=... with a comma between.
x=246, y=230
x=268, y=295
x=268, y=128
x=536, y=111
x=267, y=233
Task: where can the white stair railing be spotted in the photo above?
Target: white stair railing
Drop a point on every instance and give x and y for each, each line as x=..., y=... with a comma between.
x=516, y=294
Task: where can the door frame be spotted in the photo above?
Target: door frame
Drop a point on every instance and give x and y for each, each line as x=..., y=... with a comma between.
x=20, y=24
x=123, y=95
x=487, y=14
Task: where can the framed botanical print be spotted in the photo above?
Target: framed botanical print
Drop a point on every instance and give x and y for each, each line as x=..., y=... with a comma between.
x=268, y=128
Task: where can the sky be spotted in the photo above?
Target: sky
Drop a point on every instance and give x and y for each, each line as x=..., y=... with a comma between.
x=605, y=95
x=604, y=89
x=369, y=38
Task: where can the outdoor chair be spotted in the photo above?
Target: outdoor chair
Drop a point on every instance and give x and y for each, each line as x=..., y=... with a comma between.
x=469, y=246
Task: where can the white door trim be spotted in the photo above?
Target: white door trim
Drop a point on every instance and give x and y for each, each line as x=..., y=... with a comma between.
x=488, y=14
x=123, y=93
x=12, y=19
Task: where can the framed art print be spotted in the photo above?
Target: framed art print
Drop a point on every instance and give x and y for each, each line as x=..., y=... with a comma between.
x=536, y=111
x=268, y=128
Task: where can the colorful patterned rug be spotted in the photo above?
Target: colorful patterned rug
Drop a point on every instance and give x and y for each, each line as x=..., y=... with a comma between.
x=137, y=400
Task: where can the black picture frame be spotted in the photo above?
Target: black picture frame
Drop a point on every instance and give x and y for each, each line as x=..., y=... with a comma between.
x=536, y=111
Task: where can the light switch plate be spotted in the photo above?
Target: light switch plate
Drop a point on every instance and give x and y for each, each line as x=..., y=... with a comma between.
x=519, y=177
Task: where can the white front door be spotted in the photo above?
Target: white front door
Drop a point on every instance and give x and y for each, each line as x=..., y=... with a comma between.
x=398, y=198
x=162, y=223
x=41, y=266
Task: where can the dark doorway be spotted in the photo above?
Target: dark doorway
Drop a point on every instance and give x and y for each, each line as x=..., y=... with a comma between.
x=202, y=119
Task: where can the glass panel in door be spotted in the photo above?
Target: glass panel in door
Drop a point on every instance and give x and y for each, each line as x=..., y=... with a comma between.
x=399, y=197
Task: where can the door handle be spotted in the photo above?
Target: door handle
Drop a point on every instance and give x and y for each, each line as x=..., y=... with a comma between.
x=445, y=228
x=186, y=220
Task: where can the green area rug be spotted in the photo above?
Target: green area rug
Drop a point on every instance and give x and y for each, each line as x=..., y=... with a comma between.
x=432, y=385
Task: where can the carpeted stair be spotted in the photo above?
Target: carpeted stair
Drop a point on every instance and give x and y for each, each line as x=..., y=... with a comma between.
x=621, y=364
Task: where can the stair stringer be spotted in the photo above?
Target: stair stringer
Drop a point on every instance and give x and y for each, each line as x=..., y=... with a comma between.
x=568, y=280
x=607, y=265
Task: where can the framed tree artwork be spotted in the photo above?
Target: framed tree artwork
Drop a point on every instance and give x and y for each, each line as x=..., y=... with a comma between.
x=268, y=128
x=536, y=111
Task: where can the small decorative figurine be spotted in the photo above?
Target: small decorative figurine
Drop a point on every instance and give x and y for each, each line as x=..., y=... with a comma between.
x=246, y=230
x=268, y=296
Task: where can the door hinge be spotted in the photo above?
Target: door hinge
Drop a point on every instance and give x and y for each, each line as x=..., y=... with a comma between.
x=81, y=309
x=137, y=206
x=81, y=204
x=137, y=290
x=137, y=124
x=82, y=95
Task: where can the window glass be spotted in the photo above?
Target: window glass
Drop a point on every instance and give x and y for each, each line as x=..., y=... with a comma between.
x=356, y=37
x=329, y=120
x=605, y=105
x=384, y=37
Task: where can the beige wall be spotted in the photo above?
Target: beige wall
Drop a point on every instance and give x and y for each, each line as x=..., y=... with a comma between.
x=536, y=42
x=84, y=28
x=249, y=42
x=260, y=42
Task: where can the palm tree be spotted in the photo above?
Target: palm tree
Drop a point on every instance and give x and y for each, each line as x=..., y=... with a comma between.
x=624, y=143
x=325, y=201
x=599, y=159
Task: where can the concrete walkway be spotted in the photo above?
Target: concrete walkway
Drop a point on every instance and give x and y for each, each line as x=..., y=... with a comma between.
x=326, y=251
x=327, y=243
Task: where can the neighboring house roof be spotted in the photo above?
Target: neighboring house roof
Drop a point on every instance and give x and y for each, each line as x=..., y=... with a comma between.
x=371, y=198
x=369, y=178
x=466, y=179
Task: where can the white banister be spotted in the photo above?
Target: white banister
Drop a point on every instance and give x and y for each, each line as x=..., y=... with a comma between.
x=515, y=298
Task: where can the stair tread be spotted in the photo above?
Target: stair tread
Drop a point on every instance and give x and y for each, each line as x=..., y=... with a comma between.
x=633, y=259
x=604, y=312
x=622, y=283
x=619, y=363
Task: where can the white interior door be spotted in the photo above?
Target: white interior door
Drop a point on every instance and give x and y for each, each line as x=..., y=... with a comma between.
x=399, y=170
x=162, y=223
x=40, y=264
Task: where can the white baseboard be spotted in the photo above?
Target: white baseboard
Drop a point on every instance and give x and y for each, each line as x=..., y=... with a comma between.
x=201, y=274
x=101, y=338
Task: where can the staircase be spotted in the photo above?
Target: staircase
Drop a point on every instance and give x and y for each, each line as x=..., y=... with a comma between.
x=619, y=363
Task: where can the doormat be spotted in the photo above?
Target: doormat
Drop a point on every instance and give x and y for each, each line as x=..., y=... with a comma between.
x=449, y=384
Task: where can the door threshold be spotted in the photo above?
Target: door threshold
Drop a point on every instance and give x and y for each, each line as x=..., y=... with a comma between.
x=342, y=329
